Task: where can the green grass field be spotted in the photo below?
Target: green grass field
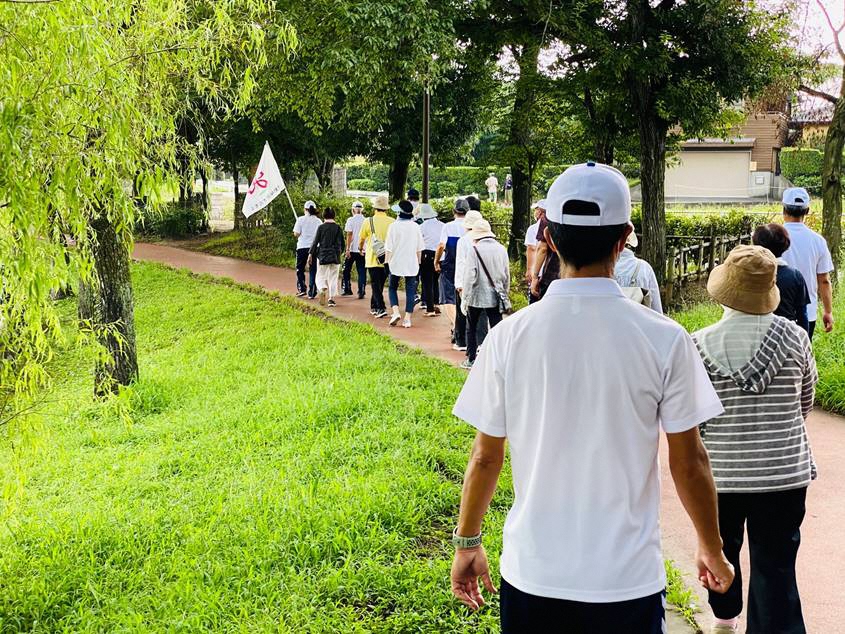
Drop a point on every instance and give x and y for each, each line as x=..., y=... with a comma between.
x=829, y=349
x=271, y=471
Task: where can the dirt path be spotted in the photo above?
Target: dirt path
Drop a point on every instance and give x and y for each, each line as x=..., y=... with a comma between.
x=822, y=556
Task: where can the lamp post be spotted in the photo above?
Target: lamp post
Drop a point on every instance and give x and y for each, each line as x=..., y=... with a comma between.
x=426, y=140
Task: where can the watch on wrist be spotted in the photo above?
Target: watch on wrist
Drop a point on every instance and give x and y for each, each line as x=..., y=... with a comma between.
x=464, y=543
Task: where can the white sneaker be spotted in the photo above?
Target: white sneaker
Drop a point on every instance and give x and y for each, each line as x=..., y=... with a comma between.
x=406, y=323
x=395, y=319
x=459, y=348
x=722, y=628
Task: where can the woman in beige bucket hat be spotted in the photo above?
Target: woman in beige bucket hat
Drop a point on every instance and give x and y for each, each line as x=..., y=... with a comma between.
x=763, y=370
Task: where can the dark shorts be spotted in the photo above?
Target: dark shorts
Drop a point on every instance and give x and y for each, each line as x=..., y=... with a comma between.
x=447, y=290
x=522, y=612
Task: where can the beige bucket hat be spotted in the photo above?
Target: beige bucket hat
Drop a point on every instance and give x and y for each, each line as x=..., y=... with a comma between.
x=381, y=203
x=471, y=217
x=481, y=229
x=746, y=281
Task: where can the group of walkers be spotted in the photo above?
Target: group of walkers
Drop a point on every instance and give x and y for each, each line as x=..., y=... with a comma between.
x=580, y=385
x=458, y=267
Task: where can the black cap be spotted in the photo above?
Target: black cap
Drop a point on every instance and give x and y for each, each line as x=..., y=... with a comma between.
x=406, y=207
x=461, y=206
x=413, y=194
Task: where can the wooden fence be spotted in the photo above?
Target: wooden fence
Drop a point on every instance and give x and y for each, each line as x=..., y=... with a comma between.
x=691, y=258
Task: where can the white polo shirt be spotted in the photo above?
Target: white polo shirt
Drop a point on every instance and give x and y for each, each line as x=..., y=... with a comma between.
x=808, y=252
x=306, y=227
x=431, y=229
x=581, y=384
x=403, y=244
x=353, y=225
x=531, y=235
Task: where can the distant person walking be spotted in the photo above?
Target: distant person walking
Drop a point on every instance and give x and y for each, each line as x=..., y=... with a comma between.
x=763, y=370
x=404, y=247
x=794, y=296
x=431, y=229
x=462, y=252
x=304, y=229
x=580, y=386
x=492, y=184
x=808, y=252
x=353, y=257
x=486, y=282
x=413, y=197
x=530, y=241
x=371, y=245
x=444, y=262
x=326, y=250
x=635, y=273
x=508, y=189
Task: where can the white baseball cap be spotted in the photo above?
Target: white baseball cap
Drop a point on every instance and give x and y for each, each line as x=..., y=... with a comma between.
x=796, y=197
x=310, y=204
x=357, y=205
x=589, y=195
x=540, y=204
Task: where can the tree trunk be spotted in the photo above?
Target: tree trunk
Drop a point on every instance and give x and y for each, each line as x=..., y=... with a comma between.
x=520, y=140
x=112, y=307
x=206, y=197
x=324, y=175
x=236, y=176
x=522, y=184
x=398, y=177
x=652, y=135
x=832, y=181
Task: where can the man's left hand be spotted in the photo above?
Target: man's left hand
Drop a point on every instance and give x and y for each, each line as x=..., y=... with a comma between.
x=827, y=319
x=468, y=565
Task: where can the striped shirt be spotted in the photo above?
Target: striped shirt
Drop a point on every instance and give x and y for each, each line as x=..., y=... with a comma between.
x=760, y=441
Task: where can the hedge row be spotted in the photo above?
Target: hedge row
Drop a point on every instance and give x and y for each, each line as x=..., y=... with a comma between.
x=174, y=220
x=453, y=181
x=803, y=166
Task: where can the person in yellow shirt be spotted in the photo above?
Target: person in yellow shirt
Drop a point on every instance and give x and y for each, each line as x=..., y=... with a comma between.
x=371, y=245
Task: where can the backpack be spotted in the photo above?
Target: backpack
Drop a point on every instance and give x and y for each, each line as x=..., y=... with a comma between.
x=636, y=293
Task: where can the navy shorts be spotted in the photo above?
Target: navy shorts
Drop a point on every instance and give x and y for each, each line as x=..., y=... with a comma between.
x=522, y=612
x=447, y=291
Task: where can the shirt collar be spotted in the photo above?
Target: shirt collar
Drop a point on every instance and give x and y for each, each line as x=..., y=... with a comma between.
x=591, y=286
x=627, y=254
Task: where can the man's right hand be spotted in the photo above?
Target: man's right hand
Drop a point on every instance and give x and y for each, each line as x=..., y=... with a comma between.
x=535, y=286
x=827, y=320
x=437, y=266
x=715, y=572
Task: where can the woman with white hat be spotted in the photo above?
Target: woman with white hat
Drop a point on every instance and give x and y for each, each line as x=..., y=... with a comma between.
x=763, y=370
x=404, y=246
x=635, y=273
x=486, y=281
x=431, y=228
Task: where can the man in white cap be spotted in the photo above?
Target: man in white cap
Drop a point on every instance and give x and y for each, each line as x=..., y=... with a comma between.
x=581, y=384
x=635, y=273
x=304, y=230
x=808, y=252
x=352, y=229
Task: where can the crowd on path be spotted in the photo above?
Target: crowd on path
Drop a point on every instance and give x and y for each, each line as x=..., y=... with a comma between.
x=581, y=548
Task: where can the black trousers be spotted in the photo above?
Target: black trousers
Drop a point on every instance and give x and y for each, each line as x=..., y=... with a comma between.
x=460, y=332
x=774, y=521
x=523, y=613
x=429, y=281
x=378, y=276
x=359, y=262
x=473, y=318
x=301, y=261
x=812, y=329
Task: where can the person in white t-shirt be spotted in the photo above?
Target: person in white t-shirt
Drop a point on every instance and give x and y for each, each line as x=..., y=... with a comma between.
x=580, y=385
x=304, y=229
x=808, y=252
x=492, y=184
x=403, y=247
x=353, y=257
x=431, y=229
x=531, y=240
x=632, y=271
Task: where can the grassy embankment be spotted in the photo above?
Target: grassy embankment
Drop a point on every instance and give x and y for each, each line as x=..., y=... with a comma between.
x=270, y=471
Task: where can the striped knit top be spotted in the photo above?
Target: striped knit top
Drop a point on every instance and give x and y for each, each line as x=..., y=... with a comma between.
x=760, y=441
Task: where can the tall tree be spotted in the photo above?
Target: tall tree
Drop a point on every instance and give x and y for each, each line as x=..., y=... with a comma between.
x=89, y=101
x=834, y=143
x=678, y=64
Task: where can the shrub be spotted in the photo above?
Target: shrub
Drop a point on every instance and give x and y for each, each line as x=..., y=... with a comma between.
x=446, y=188
x=811, y=182
x=734, y=223
x=173, y=221
x=796, y=162
x=362, y=184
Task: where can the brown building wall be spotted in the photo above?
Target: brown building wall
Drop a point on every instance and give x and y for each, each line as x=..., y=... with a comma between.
x=769, y=132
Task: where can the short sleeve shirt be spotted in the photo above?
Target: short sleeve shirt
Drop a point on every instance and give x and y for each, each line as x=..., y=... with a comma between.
x=808, y=252
x=306, y=227
x=582, y=419
x=353, y=225
x=531, y=235
x=381, y=222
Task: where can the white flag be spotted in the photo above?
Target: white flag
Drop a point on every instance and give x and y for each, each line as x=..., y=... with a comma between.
x=266, y=184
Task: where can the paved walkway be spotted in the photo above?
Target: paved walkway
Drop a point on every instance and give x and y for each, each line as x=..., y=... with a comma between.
x=822, y=556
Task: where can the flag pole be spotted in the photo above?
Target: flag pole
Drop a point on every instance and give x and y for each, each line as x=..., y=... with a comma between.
x=291, y=204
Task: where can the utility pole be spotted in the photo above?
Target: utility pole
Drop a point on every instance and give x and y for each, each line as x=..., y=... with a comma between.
x=426, y=140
